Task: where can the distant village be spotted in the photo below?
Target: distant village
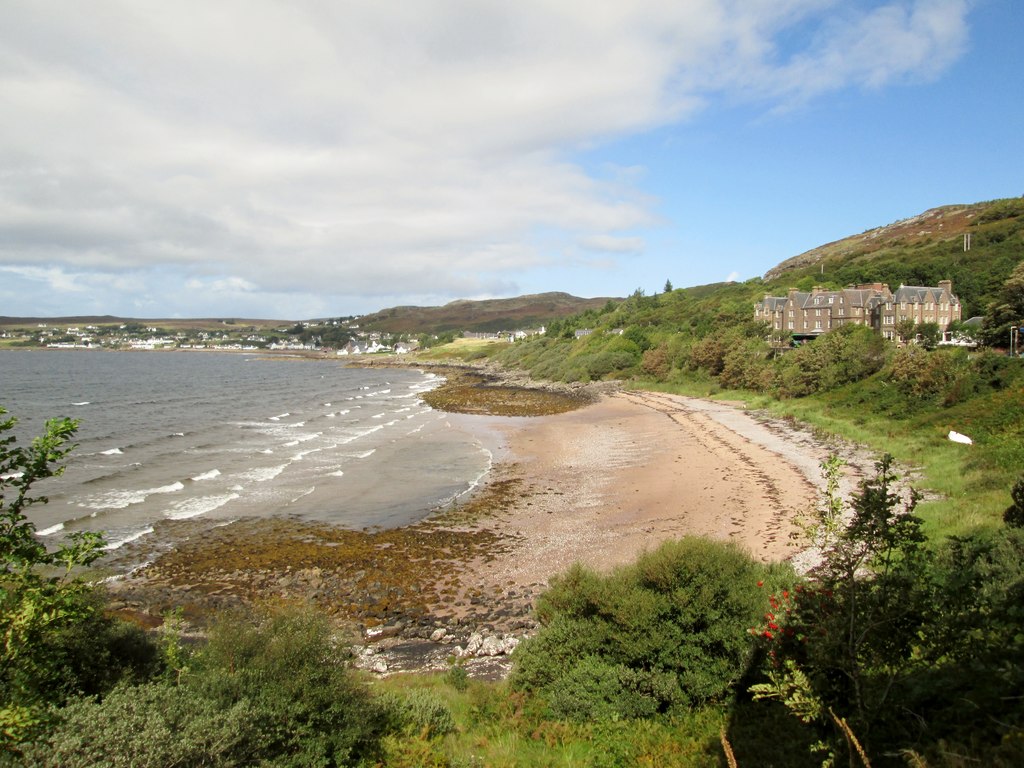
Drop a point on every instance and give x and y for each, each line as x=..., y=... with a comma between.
x=341, y=337
x=900, y=315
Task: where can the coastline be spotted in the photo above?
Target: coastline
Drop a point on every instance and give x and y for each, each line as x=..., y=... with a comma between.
x=598, y=484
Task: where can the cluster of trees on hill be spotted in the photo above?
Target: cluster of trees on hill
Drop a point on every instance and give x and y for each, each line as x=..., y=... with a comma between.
x=709, y=331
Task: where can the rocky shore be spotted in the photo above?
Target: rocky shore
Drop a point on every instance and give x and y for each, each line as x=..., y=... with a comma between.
x=406, y=596
x=601, y=476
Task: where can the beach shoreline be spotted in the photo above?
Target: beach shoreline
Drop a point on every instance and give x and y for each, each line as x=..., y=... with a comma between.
x=598, y=485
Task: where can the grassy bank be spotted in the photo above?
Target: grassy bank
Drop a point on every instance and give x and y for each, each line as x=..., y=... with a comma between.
x=966, y=486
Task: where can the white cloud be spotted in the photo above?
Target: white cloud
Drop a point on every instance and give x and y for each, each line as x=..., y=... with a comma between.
x=54, y=278
x=612, y=244
x=353, y=150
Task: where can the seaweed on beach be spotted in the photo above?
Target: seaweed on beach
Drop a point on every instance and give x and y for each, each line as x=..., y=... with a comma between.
x=477, y=394
x=368, y=577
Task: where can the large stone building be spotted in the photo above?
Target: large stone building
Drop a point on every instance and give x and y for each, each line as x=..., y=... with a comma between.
x=806, y=315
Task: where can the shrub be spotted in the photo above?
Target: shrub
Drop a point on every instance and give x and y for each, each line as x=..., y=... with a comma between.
x=421, y=712
x=151, y=726
x=845, y=355
x=668, y=631
x=54, y=640
x=1014, y=514
x=268, y=690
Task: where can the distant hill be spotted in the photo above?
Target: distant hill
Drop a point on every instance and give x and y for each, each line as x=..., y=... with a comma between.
x=208, y=322
x=481, y=316
x=921, y=250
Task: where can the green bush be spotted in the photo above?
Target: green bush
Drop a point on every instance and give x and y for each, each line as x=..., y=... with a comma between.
x=1014, y=514
x=151, y=726
x=420, y=712
x=669, y=631
x=845, y=355
x=268, y=690
x=55, y=641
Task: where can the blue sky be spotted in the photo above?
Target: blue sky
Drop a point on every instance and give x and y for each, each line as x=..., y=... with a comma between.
x=313, y=158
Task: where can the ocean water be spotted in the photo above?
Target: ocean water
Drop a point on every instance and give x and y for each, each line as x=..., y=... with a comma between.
x=167, y=435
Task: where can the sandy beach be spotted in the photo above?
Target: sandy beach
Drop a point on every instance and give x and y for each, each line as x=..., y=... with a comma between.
x=596, y=485
x=620, y=476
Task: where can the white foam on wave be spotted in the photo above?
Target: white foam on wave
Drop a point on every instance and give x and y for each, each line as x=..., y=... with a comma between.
x=51, y=530
x=263, y=474
x=377, y=416
x=413, y=432
x=362, y=434
x=84, y=402
x=112, y=452
x=472, y=483
x=303, y=454
x=199, y=506
x=128, y=539
x=122, y=499
x=206, y=475
x=338, y=473
x=303, y=439
x=12, y=475
x=304, y=493
x=266, y=450
x=365, y=454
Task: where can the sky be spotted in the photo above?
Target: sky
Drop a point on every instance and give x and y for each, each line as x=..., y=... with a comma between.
x=321, y=158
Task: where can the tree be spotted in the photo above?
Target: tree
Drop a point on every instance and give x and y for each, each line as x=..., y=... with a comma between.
x=668, y=286
x=1006, y=310
x=663, y=634
x=930, y=334
x=1014, y=514
x=39, y=594
x=906, y=328
x=844, y=643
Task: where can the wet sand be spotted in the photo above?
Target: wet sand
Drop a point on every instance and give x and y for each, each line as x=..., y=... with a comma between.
x=613, y=479
x=597, y=485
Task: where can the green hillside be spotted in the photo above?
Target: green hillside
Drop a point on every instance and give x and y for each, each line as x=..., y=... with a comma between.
x=490, y=315
x=921, y=250
x=704, y=340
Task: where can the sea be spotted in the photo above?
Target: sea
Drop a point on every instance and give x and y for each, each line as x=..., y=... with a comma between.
x=180, y=435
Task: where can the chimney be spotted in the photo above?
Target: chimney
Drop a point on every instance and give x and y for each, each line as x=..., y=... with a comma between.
x=946, y=285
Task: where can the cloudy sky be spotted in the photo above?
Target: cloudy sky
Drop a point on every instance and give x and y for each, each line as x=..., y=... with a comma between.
x=308, y=158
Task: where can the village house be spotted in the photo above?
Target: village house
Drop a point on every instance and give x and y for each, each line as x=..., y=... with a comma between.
x=808, y=314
